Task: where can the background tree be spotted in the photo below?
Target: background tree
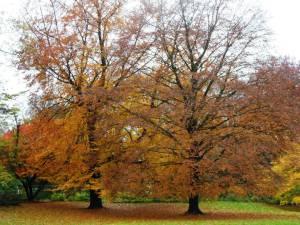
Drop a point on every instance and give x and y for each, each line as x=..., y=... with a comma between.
x=15, y=155
x=284, y=81
x=21, y=158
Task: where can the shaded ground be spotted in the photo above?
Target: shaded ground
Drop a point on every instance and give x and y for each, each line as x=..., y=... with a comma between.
x=216, y=213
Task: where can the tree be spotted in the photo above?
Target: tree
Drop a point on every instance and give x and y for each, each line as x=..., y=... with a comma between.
x=15, y=155
x=20, y=157
x=80, y=53
x=284, y=81
x=203, y=95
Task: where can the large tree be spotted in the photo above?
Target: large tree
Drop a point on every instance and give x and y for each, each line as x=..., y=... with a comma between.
x=203, y=94
x=79, y=53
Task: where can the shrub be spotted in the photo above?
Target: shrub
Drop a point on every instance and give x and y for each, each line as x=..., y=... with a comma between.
x=231, y=197
x=287, y=197
x=45, y=194
x=296, y=200
x=284, y=202
x=129, y=198
x=79, y=196
x=10, y=192
x=58, y=196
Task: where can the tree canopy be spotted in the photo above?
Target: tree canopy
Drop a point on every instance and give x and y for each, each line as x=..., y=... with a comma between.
x=158, y=99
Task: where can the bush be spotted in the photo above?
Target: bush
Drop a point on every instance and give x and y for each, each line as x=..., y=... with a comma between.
x=296, y=200
x=10, y=198
x=79, y=196
x=283, y=202
x=287, y=198
x=128, y=198
x=10, y=192
x=7, y=181
x=45, y=194
x=58, y=196
x=231, y=197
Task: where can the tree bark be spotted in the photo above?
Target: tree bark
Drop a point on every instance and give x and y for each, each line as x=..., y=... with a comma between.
x=28, y=189
x=28, y=183
x=95, y=200
x=30, y=197
x=195, y=180
x=194, y=206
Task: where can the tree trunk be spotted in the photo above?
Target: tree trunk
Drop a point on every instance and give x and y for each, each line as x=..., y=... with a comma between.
x=194, y=206
x=95, y=200
x=30, y=197
x=28, y=189
x=28, y=184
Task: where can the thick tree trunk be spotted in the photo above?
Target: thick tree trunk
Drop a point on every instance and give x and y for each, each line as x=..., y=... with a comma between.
x=95, y=200
x=194, y=206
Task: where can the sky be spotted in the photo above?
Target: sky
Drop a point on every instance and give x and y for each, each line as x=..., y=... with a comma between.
x=282, y=18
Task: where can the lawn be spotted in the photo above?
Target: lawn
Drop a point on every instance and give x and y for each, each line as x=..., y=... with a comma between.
x=217, y=213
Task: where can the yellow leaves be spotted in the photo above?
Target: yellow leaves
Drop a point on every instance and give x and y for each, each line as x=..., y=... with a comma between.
x=288, y=167
x=296, y=200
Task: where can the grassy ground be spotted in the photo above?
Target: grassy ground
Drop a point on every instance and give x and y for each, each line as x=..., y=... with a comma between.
x=217, y=213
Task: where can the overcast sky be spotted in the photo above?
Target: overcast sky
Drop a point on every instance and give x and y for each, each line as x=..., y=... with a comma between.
x=282, y=15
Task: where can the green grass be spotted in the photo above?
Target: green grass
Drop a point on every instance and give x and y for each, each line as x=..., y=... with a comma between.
x=239, y=222
x=217, y=213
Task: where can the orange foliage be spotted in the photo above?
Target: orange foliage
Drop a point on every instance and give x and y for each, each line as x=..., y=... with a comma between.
x=161, y=101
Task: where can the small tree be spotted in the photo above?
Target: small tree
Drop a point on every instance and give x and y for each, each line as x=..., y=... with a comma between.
x=14, y=152
x=21, y=159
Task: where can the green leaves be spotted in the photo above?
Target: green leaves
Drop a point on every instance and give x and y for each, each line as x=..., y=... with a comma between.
x=7, y=181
